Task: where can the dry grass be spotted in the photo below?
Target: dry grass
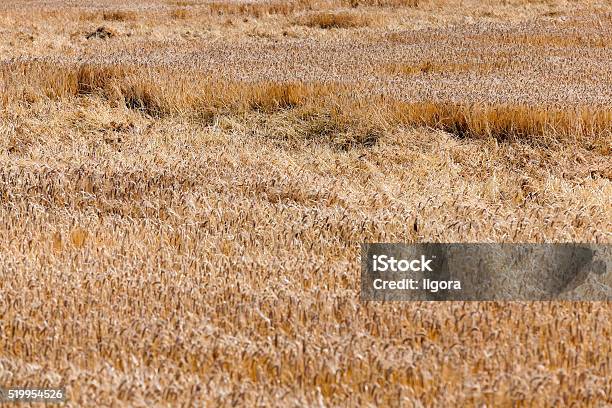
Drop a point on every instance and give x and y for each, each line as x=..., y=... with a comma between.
x=183, y=3
x=559, y=40
x=118, y=15
x=179, y=14
x=434, y=67
x=384, y=3
x=108, y=15
x=328, y=20
x=588, y=127
x=260, y=8
x=160, y=91
x=181, y=205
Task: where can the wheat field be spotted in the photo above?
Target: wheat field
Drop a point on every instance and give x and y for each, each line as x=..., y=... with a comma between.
x=184, y=186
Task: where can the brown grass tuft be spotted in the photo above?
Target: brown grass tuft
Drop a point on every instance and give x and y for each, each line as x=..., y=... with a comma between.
x=118, y=15
x=384, y=3
x=443, y=67
x=260, y=9
x=552, y=40
x=585, y=126
x=270, y=97
x=179, y=14
x=329, y=20
x=183, y=3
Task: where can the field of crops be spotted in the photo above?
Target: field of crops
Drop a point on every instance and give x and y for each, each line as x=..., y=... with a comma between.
x=184, y=186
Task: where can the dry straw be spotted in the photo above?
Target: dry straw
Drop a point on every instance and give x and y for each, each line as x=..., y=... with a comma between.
x=182, y=203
